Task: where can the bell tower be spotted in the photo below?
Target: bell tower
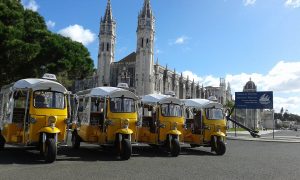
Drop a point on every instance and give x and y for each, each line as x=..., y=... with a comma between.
x=107, y=41
x=144, y=67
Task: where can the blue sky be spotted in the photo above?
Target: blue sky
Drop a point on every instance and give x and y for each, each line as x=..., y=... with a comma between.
x=205, y=39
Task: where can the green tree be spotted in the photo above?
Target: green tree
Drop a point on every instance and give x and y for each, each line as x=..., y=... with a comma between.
x=286, y=115
x=26, y=45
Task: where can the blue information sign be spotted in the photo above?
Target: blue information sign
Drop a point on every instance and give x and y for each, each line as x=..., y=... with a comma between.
x=254, y=100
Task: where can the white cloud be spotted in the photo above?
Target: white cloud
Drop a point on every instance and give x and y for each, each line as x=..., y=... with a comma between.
x=50, y=24
x=192, y=76
x=249, y=2
x=290, y=103
x=283, y=79
x=181, y=40
x=292, y=3
x=78, y=33
x=30, y=4
x=158, y=51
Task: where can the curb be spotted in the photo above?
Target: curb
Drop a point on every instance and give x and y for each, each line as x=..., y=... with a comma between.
x=264, y=140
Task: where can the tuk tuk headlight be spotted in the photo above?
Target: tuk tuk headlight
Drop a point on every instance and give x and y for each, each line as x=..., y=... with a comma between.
x=206, y=127
x=52, y=120
x=109, y=123
x=32, y=120
x=126, y=123
x=162, y=125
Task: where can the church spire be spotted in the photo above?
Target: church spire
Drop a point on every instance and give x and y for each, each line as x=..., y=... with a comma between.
x=108, y=13
x=146, y=11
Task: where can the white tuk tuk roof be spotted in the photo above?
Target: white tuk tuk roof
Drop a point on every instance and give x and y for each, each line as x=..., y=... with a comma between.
x=160, y=99
x=201, y=103
x=39, y=84
x=108, y=91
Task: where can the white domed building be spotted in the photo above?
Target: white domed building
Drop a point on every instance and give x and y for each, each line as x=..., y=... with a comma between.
x=249, y=117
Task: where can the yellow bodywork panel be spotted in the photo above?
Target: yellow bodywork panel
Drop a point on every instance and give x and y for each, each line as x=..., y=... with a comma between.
x=170, y=123
x=41, y=115
x=13, y=133
x=89, y=133
x=215, y=126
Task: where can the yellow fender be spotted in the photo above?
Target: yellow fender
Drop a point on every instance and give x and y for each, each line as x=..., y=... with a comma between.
x=174, y=132
x=220, y=134
x=124, y=131
x=49, y=130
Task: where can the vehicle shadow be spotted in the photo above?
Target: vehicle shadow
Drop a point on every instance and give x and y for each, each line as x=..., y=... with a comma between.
x=20, y=155
x=27, y=155
x=197, y=151
x=87, y=153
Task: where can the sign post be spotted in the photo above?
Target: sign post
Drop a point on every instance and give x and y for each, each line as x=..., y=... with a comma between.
x=255, y=100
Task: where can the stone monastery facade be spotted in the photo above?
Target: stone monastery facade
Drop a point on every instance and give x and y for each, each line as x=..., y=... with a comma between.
x=138, y=69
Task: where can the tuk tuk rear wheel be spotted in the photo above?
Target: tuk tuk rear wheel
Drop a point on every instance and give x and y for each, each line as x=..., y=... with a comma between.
x=221, y=147
x=175, y=147
x=126, y=149
x=75, y=140
x=50, y=150
x=2, y=142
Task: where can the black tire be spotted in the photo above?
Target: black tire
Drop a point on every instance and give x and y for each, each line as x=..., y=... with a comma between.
x=221, y=147
x=175, y=147
x=126, y=149
x=2, y=142
x=50, y=150
x=75, y=140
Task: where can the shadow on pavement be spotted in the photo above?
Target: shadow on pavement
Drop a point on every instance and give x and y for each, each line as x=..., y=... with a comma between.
x=27, y=155
x=20, y=155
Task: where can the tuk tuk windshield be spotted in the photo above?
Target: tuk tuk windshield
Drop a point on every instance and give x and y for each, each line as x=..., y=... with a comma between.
x=122, y=105
x=214, y=114
x=171, y=110
x=49, y=99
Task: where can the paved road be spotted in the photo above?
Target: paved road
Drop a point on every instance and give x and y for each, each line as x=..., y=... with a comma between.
x=243, y=160
x=287, y=133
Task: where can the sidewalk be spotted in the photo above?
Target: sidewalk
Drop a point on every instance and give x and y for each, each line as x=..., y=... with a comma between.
x=266, y=136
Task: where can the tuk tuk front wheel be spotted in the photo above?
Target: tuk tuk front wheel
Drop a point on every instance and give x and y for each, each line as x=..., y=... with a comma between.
x=175, y=147
x=221, y=147
x=50, y=150
x=2, y=142
x=75, y=140
x=126, y=149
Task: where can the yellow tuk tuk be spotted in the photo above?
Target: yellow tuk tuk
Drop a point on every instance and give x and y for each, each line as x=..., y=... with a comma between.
x=107, y=116
x=34, y=112
x=162, y=122
x=205, y=124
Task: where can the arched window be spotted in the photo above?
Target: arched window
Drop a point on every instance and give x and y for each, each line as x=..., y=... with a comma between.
x=142, y=44
x=107, y=47
x=102, y=47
